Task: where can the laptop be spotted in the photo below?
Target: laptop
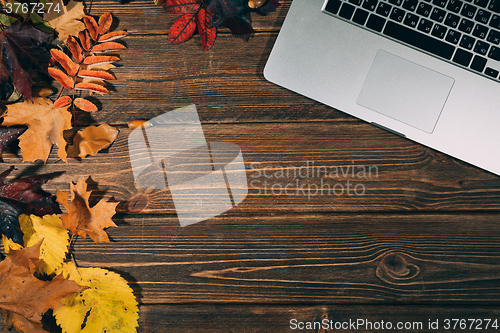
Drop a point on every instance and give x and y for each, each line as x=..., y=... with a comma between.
x=427, y=70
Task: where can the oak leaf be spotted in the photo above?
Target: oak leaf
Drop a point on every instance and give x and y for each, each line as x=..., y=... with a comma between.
x=107, y=305
x=82, y=219
x=68, y=23
x=45, y=127
x=26, y=295
x=92, y=139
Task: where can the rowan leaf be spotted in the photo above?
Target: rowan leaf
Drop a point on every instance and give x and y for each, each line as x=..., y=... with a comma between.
x=108, y=47
x=90, y=74
x=26, y=295
x=61, y=77
x=9, y=135
x=107, y=305
x=62, y=102
x=56, y=240
x=92, y=139
x=45, y=127
x=92, y=60
x=92, y=27
x=182, y=29
x=83, y=220
x=182, y=6
x=105, y=22
x=65, y=61
x=84, y=105
x=112, y=36
x=68, y=23
x=94, y=87
x=75, y=48
x=85, y=40
x=207, y=33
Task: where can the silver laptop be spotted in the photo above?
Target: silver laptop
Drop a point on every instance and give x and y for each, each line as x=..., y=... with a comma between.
x=425, y=69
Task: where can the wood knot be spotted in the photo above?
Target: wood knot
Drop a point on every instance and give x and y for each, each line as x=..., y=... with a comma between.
x=393, y=267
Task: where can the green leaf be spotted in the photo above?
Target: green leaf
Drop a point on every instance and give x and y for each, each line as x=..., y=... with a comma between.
x=6, y=20
x=40, y=24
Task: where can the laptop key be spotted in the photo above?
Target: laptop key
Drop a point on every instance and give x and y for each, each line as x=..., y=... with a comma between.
x=478, y=63
x=411, y=20
x=491, y=72
x=333, y=6
x=438, y=15
x=397, y=14
x=370, y=4
x=375, y=23
x=440, y=3
x=454, y=6
x=462, y=57
x=410, y=5
x=468, y=11
x=360, y=16
x=383, y=9
x=466, y=26
x=452, y=20
x=425, y=25
x=494, y=6
x=424, y=9
x=494, y=37
x=419, y=40
x=439, y=31
x=482, y=16
x=481, y=47
x=495, y=21
x=481, y=3
x=467, y=42
x=346, y=11
x=494, y=53
x=453, y=36
x=480, y=31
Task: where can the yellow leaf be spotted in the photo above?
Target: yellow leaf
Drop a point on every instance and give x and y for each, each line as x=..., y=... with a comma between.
x=45, y=127
x=92, y=139
x=108, y=305
x=66, y=23
x=56, y=240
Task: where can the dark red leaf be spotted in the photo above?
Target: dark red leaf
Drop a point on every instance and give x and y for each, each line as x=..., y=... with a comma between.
x=182, y=6
x=9, y=135
x=182, y=29
x=231, y=14
x=207, y=33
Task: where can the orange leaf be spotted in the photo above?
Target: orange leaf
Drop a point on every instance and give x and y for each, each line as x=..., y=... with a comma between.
x=68, y=64
x=136, y=123
x=92, y=60
x=46, y=125
x=85, y=39
x=62, y=101
x=92, y=139
x=83, y=220
x=92, y=87
x=61, y=77
x=108, y=47
x=84, y=105
x=112, y=36
x=92, y=26
x=75, y=48
x=102, y=75
x=105, y=23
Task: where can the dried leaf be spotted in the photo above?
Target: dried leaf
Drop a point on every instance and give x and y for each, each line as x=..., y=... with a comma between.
x=182, y=29
x=112, y=36
x=62, y=102
x=105, y=22
x=84, y=105
x=207, y=33
x=107, y=305
x=92, y=60
x=108, y=47
x=91, y=87
x=85, y=40
x=102, y=75
x=75, y=48
x=65, y=61
x=92, y=139
x=92, y=27
x=83, y=220
x=61, y=77
x=45, y=127
x=68, y=23
x=182, y=6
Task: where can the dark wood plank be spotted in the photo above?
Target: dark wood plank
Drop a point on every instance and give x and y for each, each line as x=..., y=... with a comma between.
x=399, y=174
x=297, y=259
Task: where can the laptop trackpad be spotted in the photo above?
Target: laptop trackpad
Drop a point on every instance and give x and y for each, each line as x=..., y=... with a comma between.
x=405, y=91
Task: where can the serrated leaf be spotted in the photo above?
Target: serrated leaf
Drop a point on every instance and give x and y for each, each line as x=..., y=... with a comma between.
x=75, y=48
x=92, y=60
x=61, y=77
x=107, y=305
x=182, y=29
x=92, y=27
x=84, y=105
x=182, y=6
x=112, y=36
x=105, y=22
x=67, y=22
x=54, y=247
x=108, y=47
x=207, y=33
x=91, y=140
x=91, y=87
x=102, y=75
x=62, y=102
x=85, y=40
x=65, y=61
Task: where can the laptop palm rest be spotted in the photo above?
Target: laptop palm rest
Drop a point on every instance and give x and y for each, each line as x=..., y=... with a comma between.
x=405, y=91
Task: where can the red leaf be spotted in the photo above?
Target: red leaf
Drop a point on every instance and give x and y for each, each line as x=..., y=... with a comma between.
x=182, y=29
x=105, y=23
x=181, y=6
x=85, y=105
x=92, y=26
x=61, y=77
x=68, y=64
x=207, y=33
x=75, y=48
x=62, y=101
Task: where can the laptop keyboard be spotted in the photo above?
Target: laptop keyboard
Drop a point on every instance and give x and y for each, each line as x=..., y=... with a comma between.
x=462, y=32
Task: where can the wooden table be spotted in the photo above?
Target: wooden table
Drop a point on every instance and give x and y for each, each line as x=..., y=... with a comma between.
x=421, y=243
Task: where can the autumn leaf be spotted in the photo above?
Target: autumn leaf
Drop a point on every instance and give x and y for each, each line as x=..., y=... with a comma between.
x=182, y=29
x=107, y=305
x=112, y=36
x=207, y=33
x=75, y=48
x=83, y=220
x=68, y=23
x=54, y=247
x=84, y=105
x=105, y=22
x=45, y=127
x=26, y=295
x=92, y=27
x=231, y=14
x=92, y=139
x=182, y=6
x=9, y=135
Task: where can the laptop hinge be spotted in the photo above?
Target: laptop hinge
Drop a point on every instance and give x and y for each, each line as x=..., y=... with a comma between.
x=388, y=129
